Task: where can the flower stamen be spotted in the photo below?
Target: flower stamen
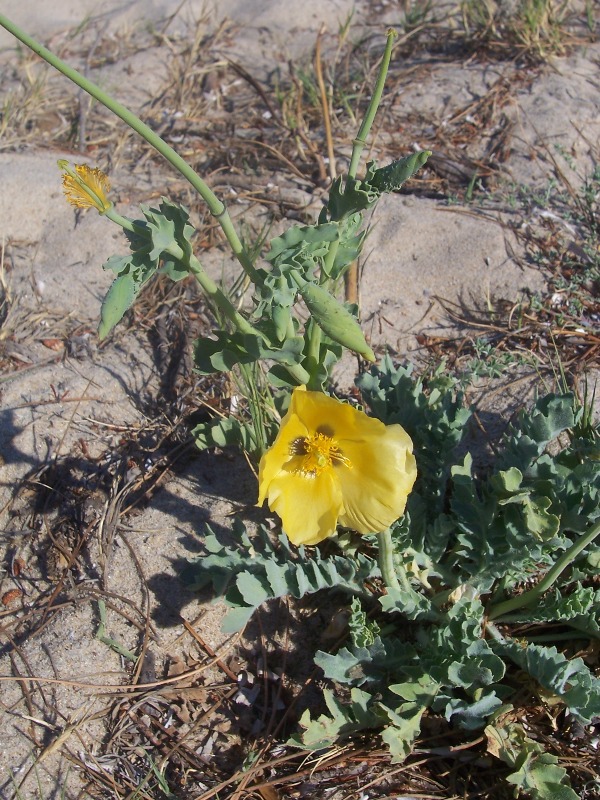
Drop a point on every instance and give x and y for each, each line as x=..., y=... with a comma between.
x=85, y=187
x=319, y=452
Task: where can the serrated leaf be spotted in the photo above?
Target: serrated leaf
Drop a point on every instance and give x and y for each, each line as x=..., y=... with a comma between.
x=170, y=230
x=406, y=601
x=406, y=718
x=236, y=619
x=225, y=350
x=472, y=715
x=391, y=178
x=344, y=666
x=400, y=736
x=118, y=264
x=346, y=719
x=536, y=772
x=133, y=273
x=540, y=522
x=510, y=481
x=260, y=569
x=569, y=679
x=421, y=690
x=350, y=197
x=224, y=432
x=313, y=239
x=535, y=429
x=253, y=589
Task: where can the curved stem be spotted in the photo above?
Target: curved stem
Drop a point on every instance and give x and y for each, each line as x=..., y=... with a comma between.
x=218, y=297
x=361, y=138
x=528, y=598
x=124, y=222
x=217, y=207
x=385, y=557
x=330, y=259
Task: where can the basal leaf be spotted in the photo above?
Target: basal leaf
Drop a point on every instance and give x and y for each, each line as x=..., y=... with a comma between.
x=473, y=714
x=400, y=736
x=344, y=720
x=535, y=771
x=408, y=602
x=569, y=679
x=225, y=432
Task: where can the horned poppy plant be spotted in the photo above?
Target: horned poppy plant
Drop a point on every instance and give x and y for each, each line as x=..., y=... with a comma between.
x=330, y=464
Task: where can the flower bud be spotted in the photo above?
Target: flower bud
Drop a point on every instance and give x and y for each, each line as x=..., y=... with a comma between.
x=335, y=320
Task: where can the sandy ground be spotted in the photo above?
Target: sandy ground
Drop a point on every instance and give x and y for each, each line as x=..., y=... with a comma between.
x=419, y=249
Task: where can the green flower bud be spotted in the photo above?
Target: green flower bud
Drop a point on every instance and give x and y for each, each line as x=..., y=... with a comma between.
x=335, y=320
x=281, y=318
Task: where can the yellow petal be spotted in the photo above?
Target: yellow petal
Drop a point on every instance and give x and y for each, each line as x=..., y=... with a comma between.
x=324, y=414
x=377, y=486
x=280, y=454
x=308, y=507
x=332, y=463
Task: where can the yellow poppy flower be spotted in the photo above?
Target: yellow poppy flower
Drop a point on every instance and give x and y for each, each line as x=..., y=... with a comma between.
x=330, y=464
x=85, y=187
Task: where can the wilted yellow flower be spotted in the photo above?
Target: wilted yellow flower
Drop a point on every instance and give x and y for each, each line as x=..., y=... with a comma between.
x=86, y=187
x=330, y=464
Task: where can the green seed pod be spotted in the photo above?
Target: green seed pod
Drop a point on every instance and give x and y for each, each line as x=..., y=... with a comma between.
x=337, y=322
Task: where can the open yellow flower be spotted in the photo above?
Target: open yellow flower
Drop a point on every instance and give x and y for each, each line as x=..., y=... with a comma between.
x=86, y=187
x=330, y=464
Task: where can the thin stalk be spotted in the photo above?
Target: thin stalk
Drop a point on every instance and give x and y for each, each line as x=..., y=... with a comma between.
x=329, y=259
x=325, y=105
x=256, y=407
x=124, y=222
x=529, y=598
x=216, y=206
x=361, y=139
x=218, y=297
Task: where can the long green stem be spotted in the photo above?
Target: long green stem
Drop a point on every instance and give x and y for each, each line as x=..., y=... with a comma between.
x=528, y=598
x=124, y=222
x=256, y=402
x=217, y=207
x=361, y=138
x=385, y=556
x=218, y=297
x=329, y=259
